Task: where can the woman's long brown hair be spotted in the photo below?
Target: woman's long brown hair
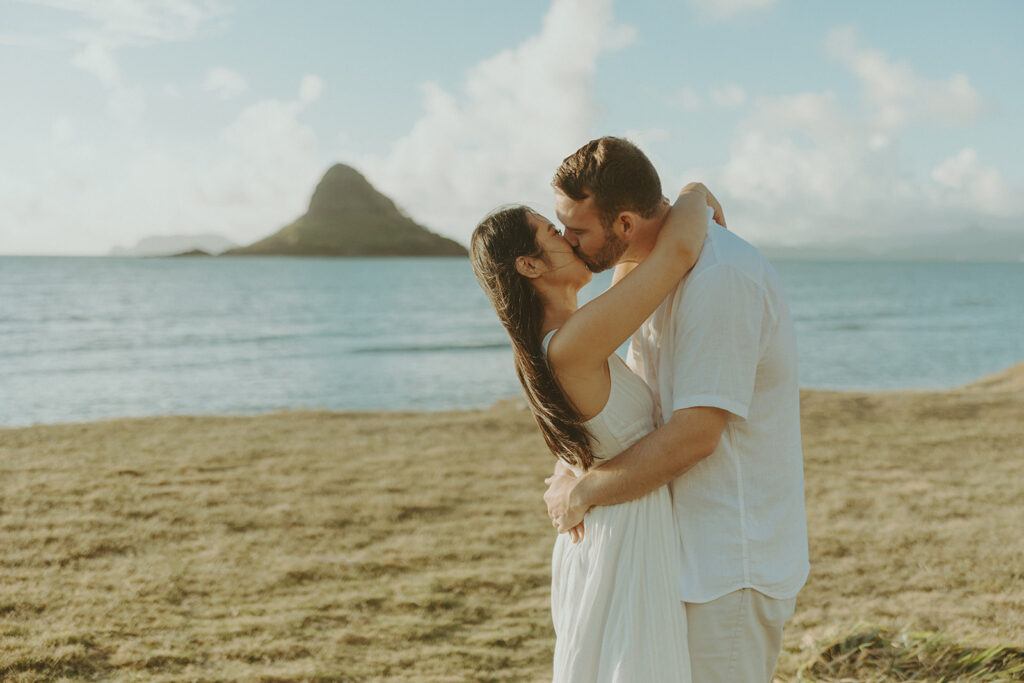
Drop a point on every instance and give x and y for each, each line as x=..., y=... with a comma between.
x=502, y=237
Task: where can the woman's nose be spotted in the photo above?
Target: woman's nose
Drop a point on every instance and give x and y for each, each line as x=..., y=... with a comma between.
x=571, y=239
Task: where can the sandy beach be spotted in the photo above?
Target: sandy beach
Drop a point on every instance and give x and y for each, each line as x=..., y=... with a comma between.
x=414, y=546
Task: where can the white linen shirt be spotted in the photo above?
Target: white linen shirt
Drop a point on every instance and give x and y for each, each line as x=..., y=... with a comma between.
x=724, y=338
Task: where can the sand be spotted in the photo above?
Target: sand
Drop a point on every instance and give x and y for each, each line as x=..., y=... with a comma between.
x=363, y=546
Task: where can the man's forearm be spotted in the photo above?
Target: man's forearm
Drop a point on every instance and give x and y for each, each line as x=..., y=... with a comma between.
x=653, y=461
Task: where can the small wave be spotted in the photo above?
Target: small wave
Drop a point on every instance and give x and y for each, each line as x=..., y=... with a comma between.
x=165, y=342
x=973, y=303
x=433, y=348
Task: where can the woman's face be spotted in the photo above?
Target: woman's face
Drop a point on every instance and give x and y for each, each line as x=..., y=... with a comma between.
x=565, y=265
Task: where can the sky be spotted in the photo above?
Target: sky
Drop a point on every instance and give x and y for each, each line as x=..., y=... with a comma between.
x=813, y=122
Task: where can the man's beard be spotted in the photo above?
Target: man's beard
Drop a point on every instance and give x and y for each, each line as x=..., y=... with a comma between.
x=610, y=253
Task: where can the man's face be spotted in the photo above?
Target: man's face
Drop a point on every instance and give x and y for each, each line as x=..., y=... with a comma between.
x=599, y=247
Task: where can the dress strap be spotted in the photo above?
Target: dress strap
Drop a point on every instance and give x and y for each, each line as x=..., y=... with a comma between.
x=547, y=340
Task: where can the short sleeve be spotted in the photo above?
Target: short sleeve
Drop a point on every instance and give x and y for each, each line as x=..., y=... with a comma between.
x=717, y=344
x=634, y=361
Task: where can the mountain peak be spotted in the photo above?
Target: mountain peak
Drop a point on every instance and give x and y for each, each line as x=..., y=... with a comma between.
x=343, y=189
x=347, y=216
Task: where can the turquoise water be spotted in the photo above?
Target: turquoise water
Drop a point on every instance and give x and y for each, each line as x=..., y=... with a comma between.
x=91, y=338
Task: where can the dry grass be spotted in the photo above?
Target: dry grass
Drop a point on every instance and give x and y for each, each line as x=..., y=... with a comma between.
x=877, y=654
x=329, y=546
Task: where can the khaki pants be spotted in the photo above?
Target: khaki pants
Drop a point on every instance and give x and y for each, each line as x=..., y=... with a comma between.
x=737, y=637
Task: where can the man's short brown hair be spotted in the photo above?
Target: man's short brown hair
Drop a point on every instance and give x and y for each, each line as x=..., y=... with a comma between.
x=616, y=173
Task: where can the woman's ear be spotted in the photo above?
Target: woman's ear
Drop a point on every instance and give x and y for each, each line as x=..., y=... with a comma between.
x=528, y=266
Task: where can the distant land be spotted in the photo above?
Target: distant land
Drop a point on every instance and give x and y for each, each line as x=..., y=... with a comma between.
x=970, y=244
x=166, y=245
x=194, y=252
x=347, y=216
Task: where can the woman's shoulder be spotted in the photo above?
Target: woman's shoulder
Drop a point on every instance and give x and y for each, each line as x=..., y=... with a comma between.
x=564, y=353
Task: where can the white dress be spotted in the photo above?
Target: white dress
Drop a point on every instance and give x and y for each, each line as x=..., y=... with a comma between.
x=615, y=598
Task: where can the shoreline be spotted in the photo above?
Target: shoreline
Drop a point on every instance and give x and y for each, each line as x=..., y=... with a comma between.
x=771, y=253
x=1008, y=379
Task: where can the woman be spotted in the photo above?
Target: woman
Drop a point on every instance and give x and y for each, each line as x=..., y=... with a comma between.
x=614, y=601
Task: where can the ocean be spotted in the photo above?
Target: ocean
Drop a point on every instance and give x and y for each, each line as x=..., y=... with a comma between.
x=92, y=338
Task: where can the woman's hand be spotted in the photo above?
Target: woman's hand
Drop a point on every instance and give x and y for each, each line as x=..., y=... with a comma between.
x=564, y=513
x=709, y=200
x=685, y=227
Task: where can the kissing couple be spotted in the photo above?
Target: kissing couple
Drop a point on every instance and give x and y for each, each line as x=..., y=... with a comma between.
x=678, y=486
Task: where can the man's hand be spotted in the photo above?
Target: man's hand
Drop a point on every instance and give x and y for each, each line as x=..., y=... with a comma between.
x=565, y=516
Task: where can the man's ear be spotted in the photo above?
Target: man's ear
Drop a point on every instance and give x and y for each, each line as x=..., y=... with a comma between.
x=528, y=266
x=626, y=222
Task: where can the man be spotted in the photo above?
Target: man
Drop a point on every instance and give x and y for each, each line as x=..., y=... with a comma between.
x=720, y=356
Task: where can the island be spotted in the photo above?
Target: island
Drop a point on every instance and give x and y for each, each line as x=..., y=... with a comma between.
x=347, y=216
x=174, y=245
x=193, y=252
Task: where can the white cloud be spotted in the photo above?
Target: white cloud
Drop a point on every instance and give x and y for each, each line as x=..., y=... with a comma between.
x=796, y=146
x=501, y=138
x=96, y=59
x=225, y=82
x=252, y=178
x=647, y=138
x=801, y=168
x=687, y=99
x=266, y=163
x=127, y=105
x=267, y=144
x=138, y=22
x=723, y=9
x=311, y=88
x=808, y=167
x=897, y=94
x=112, y=24
x=728, y=96
x=966, y=181
x=38, y=42
x=725, y=96
x=63, y=130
